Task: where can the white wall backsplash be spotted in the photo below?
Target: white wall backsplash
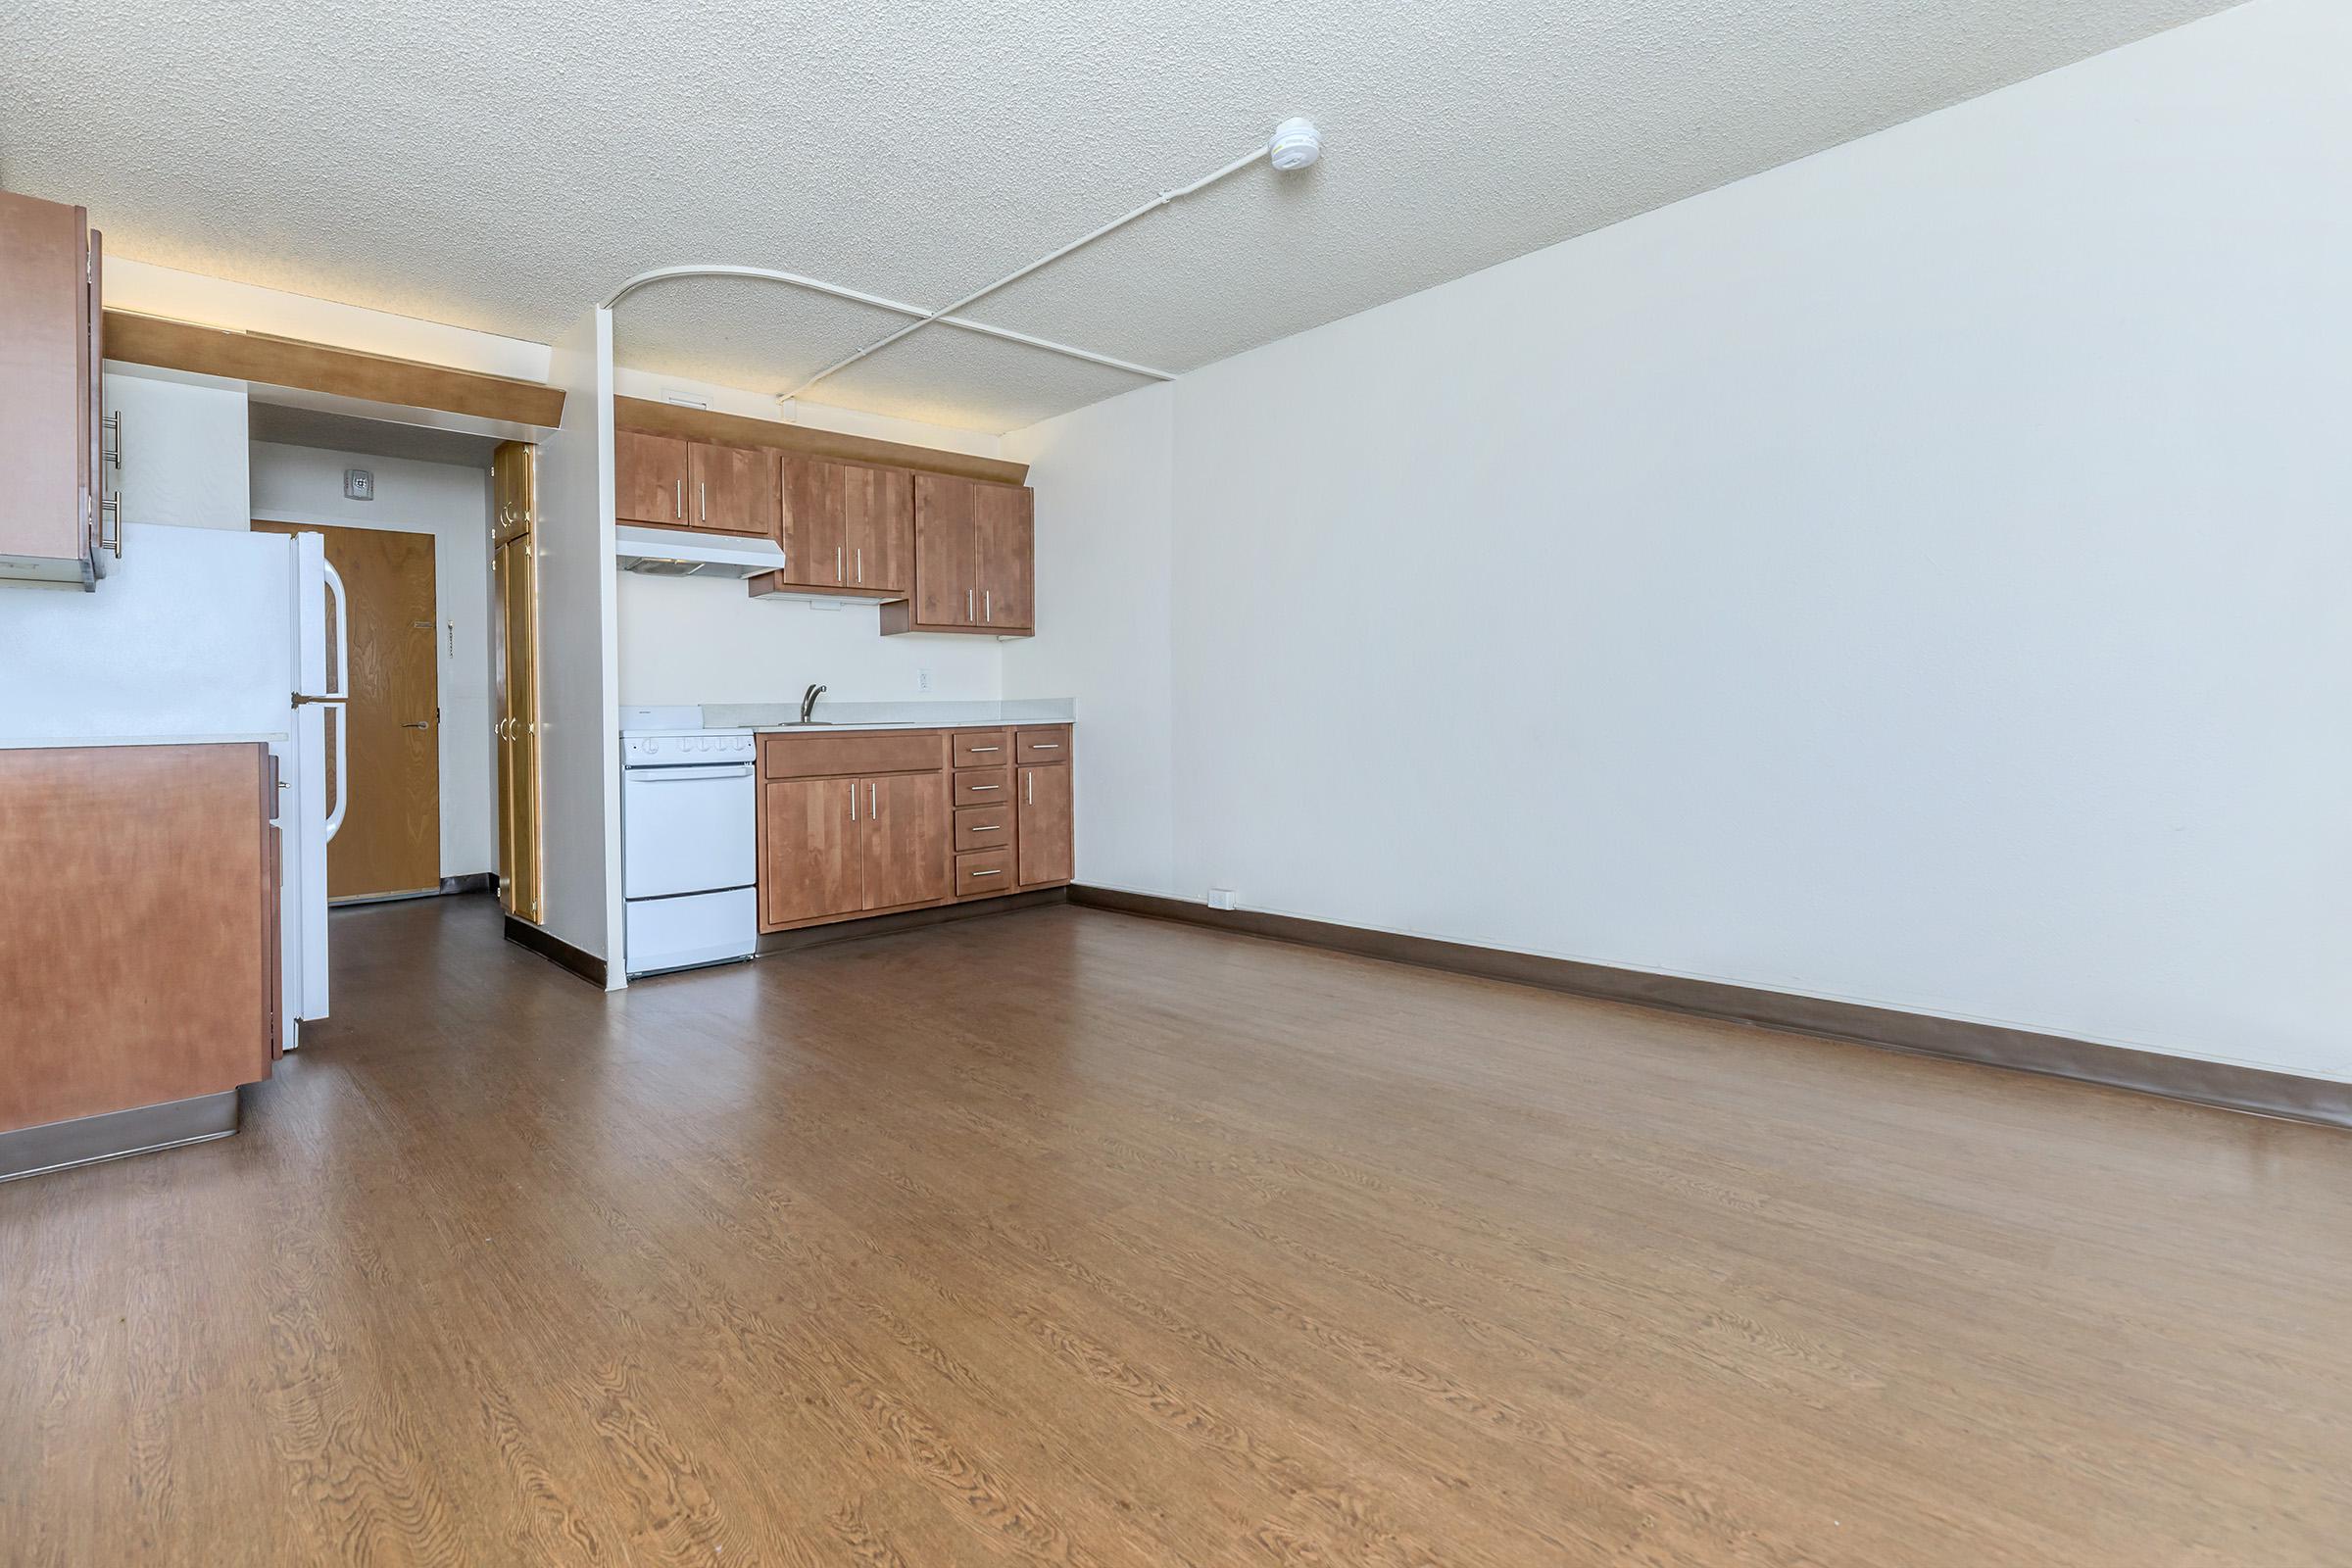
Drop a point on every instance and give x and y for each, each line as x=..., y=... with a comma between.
x=1913, y=575
x=450, y=503
x=708, y=640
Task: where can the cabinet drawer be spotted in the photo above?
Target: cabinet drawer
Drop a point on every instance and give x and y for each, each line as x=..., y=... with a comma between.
x=984, y=827
x=830, y=756
x=983, y=786
x=980, y=748
x=1042, y=746
x=985, y=871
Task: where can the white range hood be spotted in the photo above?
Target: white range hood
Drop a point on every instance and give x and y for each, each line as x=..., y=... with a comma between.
x=678, y=553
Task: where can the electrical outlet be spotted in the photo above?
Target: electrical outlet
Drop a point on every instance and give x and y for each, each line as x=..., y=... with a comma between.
x=1223, y=898
x=922, y=680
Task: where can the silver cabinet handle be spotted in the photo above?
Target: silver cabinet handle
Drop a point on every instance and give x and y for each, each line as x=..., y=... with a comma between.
x=976, y=876
x=977, y=788
x=862, y=565
x=987, y=827
x=1044, y=746
x=677, y=501
x=967, y=603
x=853, y=800
x=977, y=750
x=870, y=812
x=1029, y=788
x=837, y=577
x=114, y=505
x=113, y=453
x=701, y=499
x=988, y=611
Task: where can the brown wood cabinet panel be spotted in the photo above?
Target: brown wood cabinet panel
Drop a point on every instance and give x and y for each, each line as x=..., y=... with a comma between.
x=946, y=531
x=1046, y=854
x=979, y=875
x=981, y=748
x=139, y=940
x=809, y=525
x=983, y=786
x=731, y=489
x=45, y=383
x=904, y=836
x=1005, y=547
x=816, y=755
x=984, y=827
x=877, y=507
x=810, y=861
x=649, y=480
x=1041, y=746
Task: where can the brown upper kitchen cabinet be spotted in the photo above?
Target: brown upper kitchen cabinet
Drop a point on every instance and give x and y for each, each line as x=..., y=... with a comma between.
x=845, y=527
x=974, y=553
x=669, y=483
x=54, y=514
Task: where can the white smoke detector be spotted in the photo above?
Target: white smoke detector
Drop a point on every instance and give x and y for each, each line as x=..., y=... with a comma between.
x=1294, y=144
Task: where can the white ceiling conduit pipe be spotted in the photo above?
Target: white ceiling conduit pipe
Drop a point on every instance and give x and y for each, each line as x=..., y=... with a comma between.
x=769, y=274
x=1294, y=144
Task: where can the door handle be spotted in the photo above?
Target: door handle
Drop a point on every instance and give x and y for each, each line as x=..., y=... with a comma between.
x=417, y=724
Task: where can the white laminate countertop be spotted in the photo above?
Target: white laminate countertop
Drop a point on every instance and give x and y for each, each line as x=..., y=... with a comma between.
x=51, y=743
x=781, y=717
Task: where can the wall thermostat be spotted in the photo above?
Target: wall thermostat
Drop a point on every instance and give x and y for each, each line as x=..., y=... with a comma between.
x=358, y=484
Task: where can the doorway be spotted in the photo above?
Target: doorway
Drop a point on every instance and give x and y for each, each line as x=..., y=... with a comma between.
x=390, y=843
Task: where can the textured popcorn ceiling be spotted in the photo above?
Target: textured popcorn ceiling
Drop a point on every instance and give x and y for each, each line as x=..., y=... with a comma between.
x=504, y=165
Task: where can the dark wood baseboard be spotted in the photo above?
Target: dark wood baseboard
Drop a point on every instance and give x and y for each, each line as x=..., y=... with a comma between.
x=882, y=926
x=545, y=943
x=2209, y=1083
x=470, y=882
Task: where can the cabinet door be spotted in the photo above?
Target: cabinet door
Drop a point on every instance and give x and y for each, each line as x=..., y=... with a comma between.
x=809, y=866
x=649, y=479
x=808, y=525
x=946, y=593
x=1044, y=806
x=731, y=489
x=45, y=500
x=906, y=837
x=877, y=507
x=1006, y=547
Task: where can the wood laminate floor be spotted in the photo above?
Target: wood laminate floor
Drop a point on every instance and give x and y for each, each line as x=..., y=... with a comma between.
x=1072, y=1237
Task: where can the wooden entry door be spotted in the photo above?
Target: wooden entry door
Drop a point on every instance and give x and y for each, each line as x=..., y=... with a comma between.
x=391, y=838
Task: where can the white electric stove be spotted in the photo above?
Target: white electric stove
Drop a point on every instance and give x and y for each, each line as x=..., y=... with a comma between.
x=689, y=842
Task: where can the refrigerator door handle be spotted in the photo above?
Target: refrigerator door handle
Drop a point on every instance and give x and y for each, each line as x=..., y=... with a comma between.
x=339, y=690
x=334, y=817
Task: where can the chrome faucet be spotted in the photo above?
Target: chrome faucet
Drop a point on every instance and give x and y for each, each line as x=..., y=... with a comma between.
x=808, y=702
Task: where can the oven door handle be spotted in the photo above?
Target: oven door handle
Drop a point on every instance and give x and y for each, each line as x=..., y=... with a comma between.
x=686, y=775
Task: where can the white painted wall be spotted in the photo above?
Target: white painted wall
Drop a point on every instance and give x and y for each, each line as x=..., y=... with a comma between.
x=184, y=448
x=450, y=503
x=1104, y=580
x=706, y=640
x=1913, y=575
x=578, y=641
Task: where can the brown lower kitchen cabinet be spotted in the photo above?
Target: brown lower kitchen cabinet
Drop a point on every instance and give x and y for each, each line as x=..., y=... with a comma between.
x=858, y=822
x=1044, y=802
x=139, y=955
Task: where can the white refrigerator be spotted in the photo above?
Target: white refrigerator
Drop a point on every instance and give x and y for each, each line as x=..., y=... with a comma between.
x=203, y=634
